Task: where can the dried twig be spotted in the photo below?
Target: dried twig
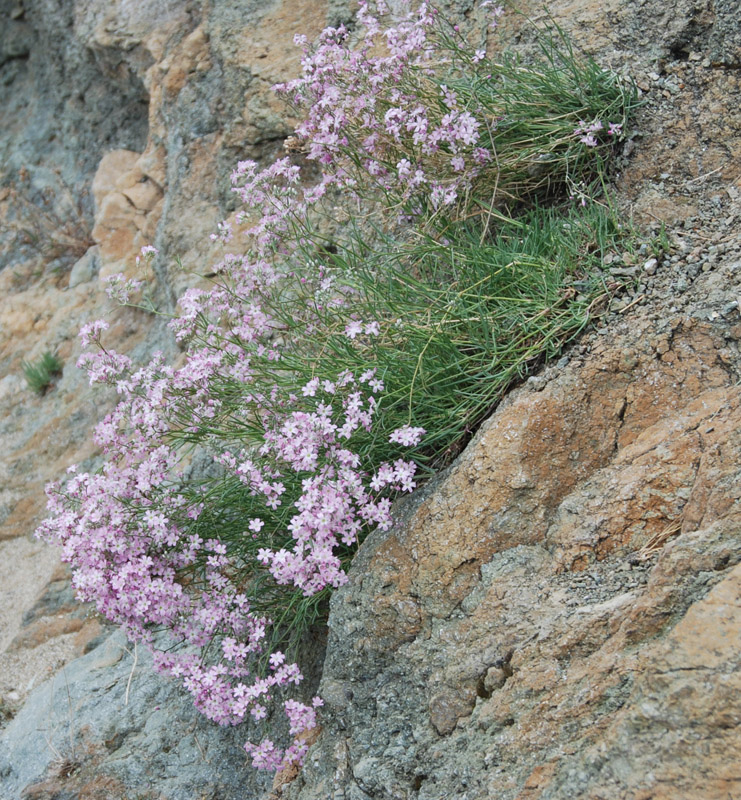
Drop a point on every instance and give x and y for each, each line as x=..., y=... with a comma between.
x=659, y=539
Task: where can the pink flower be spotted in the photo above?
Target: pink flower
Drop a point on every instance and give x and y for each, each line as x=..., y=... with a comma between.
x=407, y=435
x=353, y=328
x=276, y=659
x=310, y=389
x=147, y=252
x=119, y=288
x=90, y=333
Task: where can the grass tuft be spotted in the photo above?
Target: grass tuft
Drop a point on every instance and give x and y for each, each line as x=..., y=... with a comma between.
x=41, y=373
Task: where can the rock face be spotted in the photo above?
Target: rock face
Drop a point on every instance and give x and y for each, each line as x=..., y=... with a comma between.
x=145, y=740
x=558, y=615
x=555, y=616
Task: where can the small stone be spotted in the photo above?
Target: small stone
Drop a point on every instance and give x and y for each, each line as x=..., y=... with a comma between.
x=84, y=270
x=650, y=266
x=495, y=679
x=536, y=383
x=619, y=305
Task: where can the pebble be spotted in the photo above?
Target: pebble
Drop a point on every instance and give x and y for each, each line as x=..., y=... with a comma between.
x=650, y=266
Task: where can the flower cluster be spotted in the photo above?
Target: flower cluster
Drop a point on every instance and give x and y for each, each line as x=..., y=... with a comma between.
x=588, y=132
x=135, y=532
x=377, y=115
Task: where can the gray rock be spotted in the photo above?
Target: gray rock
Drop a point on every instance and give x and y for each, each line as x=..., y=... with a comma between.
x=85, y=269
x=650, y=266
x=48, y=118
x=103, y=719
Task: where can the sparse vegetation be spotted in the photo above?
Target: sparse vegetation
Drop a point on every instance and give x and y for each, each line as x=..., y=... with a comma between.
x=40, y=374
x=50, y=223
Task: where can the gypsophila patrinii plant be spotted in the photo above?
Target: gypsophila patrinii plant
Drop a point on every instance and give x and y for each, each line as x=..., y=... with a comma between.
x=443, y=132
x=321, y=377
x=40, y=373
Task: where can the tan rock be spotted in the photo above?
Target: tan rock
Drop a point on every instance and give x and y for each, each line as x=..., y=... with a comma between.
x=112, y=166
x=152, y=164
x=116, y=233
x=192, y=55
x=17, y=320
x=143, y=194
x=446, y=708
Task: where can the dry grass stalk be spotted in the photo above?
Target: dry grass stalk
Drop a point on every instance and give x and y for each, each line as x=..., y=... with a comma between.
x=659, y=539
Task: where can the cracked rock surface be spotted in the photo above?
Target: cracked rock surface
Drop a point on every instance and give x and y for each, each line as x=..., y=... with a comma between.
x=558, y=615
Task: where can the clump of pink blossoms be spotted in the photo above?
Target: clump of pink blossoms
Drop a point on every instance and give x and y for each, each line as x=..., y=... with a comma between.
x=132, y=530
x=376, y=117
x=142, y=537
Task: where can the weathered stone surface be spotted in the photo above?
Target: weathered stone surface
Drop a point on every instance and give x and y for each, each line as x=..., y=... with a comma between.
x=85, y=269
x=145, y=740
x=112, y=174
x=559, y=614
